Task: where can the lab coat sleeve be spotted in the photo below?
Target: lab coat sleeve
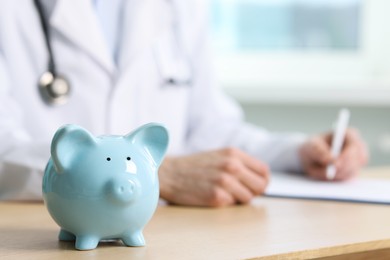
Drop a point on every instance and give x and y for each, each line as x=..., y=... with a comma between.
x=216, y=121
x=22, y=160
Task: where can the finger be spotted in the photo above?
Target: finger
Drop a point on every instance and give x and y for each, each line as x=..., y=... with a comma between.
x=352, y=135
x=249, y=161
x=232, y=185
x=364, y=153
x=347, y=165
x=211, y=195
x=328, y=137
x=353, y=139
x=248, y=178
x=345, y=171
x=319, y=152
x=317, y=172
x=353, y=155
x=219, y=198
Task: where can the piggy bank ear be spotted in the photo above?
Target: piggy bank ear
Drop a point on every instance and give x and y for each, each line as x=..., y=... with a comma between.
x=67, y=143
x=153, y=138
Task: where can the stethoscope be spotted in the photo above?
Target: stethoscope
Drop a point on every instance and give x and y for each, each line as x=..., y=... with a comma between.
x=53, y=88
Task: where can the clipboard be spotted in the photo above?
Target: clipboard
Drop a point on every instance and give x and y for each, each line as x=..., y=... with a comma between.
x=359, y=189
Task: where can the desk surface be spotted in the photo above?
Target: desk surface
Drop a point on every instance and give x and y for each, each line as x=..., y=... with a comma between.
x=269, y=227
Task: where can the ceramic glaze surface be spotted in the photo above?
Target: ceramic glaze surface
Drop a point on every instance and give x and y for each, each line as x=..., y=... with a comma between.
x=104, y=187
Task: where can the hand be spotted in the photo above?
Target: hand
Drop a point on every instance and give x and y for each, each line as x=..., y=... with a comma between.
x=216, y=178
x=316, y=156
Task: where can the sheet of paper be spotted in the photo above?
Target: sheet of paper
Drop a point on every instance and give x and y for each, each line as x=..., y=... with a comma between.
x=356, y=190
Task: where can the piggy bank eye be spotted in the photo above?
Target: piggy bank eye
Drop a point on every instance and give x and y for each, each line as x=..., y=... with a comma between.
x=128, y=158
x=108, y=159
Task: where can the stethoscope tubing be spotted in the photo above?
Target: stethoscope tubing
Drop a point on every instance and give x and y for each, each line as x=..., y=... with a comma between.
x=54, y=89
x=45, y=27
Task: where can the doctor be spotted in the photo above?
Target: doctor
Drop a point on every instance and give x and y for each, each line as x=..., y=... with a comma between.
x=111, y=66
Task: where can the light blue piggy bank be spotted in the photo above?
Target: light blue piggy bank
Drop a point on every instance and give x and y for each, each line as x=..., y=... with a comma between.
x=104, y=187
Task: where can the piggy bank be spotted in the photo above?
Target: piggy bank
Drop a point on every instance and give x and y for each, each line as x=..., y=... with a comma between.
x=106, y=187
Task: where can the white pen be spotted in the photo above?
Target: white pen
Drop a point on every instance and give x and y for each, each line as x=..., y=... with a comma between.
x=338, y=139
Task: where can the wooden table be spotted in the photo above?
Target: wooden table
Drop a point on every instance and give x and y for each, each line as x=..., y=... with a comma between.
x=271, y=228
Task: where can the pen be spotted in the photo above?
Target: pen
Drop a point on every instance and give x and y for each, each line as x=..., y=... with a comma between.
x=338, y=140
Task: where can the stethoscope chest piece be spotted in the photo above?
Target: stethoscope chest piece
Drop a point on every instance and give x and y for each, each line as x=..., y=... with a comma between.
x=54, y=90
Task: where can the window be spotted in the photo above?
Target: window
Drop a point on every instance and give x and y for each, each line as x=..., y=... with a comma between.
x=303, y=50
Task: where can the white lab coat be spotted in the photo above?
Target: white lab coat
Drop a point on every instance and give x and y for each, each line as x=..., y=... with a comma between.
x=159, y=40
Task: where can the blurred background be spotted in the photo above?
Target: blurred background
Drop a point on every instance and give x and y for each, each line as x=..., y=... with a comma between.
x=292, y=64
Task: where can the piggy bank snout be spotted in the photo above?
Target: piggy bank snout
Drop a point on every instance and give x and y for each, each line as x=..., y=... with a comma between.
x=123, y=190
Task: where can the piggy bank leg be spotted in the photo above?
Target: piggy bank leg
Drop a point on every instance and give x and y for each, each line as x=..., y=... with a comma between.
x=66, y=236
x=86, y=242
x=133, y=238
